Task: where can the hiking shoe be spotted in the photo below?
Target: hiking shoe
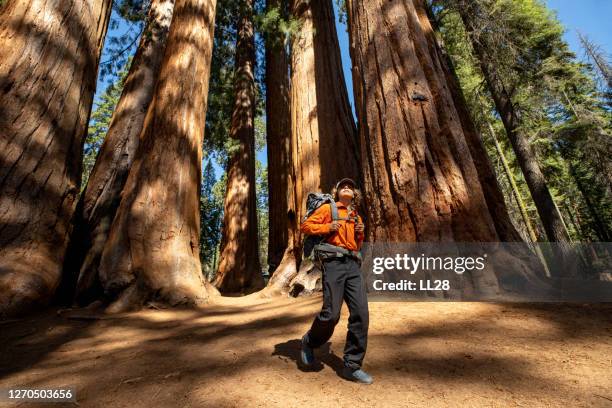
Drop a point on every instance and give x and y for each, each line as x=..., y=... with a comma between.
x=358, y=375
x=307, y=353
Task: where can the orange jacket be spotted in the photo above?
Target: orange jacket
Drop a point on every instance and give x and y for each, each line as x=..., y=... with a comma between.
x=345, y=237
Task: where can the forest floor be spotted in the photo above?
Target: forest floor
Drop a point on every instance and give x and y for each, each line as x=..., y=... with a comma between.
x=243, y=352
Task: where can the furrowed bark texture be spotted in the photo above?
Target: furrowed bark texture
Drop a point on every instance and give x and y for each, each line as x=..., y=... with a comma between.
x=324, y=137
x=278, y=134
x=100, y=199
x=324, y=144
x=420, y=180
x=486, y=174
x=152, y=251
x=49, y=55
x=239, y=268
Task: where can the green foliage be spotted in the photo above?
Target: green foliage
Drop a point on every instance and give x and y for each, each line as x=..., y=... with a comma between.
x=342, y=12
x=211, y=210
x=131, y=16
x=221, y=86
x=132, y=10
x=276, y=26
x=99, y=122
x=221, y=83
x=561, y=110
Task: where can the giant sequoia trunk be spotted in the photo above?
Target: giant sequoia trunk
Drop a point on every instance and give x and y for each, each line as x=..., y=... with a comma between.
x=510, y=116
x=49, y=55
x=152, y=250
x=278, y=135
x=323, y=133
x=100, y=200
x=490, y=187
x=421, y=183
x=239, y=268
x=420, y=180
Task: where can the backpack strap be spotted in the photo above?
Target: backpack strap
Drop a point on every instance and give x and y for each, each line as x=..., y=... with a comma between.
x=336, y=217
x=334, y=210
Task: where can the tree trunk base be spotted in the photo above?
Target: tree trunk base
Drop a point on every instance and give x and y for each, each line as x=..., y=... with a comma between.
x=307, y=280
x=22, y=291
x=280, y=280
x=137, y=296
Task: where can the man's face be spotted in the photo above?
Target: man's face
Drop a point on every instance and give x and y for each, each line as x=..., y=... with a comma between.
x=346, y=191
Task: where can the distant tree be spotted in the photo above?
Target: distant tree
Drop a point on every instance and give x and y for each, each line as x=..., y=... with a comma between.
x=210, y=221
x=278, y=27
x=262, y=210
x=498, y=53
x=239, y=268
x=325, y=147
x=599, y=58
x=131, y=16
x=99, y=123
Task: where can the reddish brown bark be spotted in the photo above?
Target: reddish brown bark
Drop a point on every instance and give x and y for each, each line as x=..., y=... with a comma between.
x=323, y=134
x=152, y=252
x=239, y=268
x=49, y=55
x=278, y=135
x=100, y=199
x=421, y=183
x=492, y=191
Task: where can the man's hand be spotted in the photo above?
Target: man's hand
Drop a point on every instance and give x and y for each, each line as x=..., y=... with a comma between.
x=359, y=227
x=334, y=226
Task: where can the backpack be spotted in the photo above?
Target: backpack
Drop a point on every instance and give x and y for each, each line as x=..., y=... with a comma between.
x=314, y=201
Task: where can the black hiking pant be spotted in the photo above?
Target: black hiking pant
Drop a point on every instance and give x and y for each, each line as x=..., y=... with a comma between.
x=342, y=280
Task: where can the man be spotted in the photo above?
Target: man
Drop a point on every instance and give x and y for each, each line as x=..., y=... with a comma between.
x=341, y=280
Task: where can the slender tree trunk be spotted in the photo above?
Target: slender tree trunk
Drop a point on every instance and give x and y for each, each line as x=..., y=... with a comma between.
x=510, y=115
x=324, y=144
x=278, y=133
x=515, y=191
x=49, y=55
x=519, y=201
x=239, y=268
x=152, y=252
x=598, y=58
x=100, y=199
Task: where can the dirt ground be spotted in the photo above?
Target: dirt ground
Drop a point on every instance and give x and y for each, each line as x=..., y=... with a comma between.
x=243, y=352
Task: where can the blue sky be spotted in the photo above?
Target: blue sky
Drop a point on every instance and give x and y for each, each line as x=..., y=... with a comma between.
x=591, y=17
